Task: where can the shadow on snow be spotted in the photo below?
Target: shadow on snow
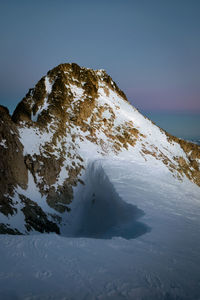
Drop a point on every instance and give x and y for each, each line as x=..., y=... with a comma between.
x=103, y=214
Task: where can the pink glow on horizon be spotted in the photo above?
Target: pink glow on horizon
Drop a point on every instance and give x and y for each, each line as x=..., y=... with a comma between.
x=159, y=100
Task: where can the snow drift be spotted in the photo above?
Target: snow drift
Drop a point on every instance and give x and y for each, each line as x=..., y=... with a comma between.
x=161, y=264
x=100, y=212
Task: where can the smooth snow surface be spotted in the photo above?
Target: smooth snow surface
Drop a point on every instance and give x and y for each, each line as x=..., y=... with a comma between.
x=161, y=263
x=33, y=139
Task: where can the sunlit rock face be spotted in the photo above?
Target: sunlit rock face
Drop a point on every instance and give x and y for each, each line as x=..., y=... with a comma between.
x=74, y=116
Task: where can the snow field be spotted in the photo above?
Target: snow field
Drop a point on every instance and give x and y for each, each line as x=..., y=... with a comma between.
x=161, y=263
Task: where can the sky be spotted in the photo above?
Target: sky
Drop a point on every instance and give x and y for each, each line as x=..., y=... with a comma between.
x=151, y=49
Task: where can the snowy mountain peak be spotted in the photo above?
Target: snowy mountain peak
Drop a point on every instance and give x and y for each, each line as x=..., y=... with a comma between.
x=61, y=89
x=72, y=118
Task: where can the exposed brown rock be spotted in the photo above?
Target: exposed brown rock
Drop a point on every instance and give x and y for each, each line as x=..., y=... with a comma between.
x=63, y=112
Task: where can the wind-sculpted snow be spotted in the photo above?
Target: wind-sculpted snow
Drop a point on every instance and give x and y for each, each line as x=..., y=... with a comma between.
x=78, y=160
x=99, y=211
x=74, y=115
x=162, y=264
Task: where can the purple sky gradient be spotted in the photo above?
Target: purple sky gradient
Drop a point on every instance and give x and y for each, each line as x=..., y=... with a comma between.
x=165, y=100
x=150, y=48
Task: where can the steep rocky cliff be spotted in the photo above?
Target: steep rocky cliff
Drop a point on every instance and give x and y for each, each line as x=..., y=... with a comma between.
x=72, y=116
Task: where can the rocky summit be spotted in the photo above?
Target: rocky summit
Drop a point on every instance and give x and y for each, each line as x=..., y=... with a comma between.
x=71, y=118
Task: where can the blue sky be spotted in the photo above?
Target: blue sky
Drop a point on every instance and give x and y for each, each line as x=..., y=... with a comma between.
x=150, y=48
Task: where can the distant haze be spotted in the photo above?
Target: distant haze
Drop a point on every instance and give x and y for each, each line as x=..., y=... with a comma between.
x=183, y=125
x=150, y=48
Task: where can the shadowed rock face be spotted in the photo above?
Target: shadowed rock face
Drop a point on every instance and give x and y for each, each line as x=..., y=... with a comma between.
x=12, y=167
x=44, y=138
x=14, y=173
x=35, y=218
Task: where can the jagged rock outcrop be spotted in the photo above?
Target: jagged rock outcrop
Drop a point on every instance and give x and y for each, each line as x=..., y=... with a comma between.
x=12, y=167
x=72, y=115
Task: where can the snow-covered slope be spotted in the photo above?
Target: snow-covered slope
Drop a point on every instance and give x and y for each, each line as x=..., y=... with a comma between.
x=73, y=117
x=155, y=257
x=77, y=159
